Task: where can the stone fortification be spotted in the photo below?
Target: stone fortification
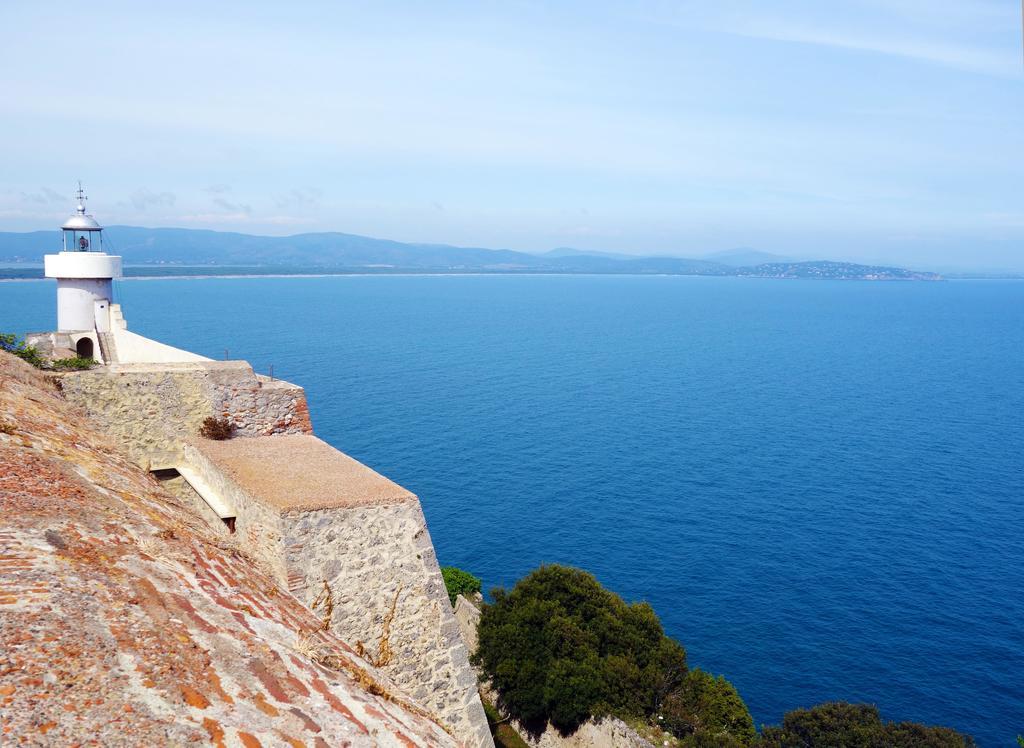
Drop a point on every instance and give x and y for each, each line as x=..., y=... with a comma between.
x=150, y=408
x=344, y=540
x=124, y=621
x=354, y=546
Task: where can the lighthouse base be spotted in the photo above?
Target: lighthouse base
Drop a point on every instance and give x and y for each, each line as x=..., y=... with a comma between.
x=109, y=345
x=83, y=304
x=53, y=346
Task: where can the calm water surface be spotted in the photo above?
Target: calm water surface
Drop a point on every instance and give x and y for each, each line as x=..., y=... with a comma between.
x=819, y=486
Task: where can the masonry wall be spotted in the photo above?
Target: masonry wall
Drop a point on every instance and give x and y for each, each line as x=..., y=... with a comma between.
x=378, y=567
x=258, y=527
x=376, y=561
x=148, y=409
x=193, y=502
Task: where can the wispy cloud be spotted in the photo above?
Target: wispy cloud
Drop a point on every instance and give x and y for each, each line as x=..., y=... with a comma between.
x=233, y=207
x=45, y=196
x=144, y=198
x=962, y=57
x=299, y=197
x=980, y=37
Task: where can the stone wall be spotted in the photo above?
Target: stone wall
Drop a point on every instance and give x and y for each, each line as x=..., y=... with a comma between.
x=467, y=615
x=125, y=622
x=178, y=487
x=375, y=568
x=258, y=527
x=368, y=567
x=148, y=409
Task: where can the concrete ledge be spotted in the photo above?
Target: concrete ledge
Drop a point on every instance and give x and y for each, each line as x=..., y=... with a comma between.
x=299, y=472
x=132, y=347
x=354, y=547
x=207, y=493
x=82, y=265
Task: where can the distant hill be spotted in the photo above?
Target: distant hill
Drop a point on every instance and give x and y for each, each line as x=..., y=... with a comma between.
x=744, y=257
x=827, y=270
x=193, y=251
x=193, y=247
x=571, y=252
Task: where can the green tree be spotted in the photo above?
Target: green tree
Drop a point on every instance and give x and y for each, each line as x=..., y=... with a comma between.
x=559, y=649
x=855, y=726
x=707, y=706
x=459, y=582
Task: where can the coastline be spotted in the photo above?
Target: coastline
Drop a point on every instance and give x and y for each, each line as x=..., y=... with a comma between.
x=408, y=274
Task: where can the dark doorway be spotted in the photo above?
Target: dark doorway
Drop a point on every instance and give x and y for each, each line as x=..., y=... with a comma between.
x=84, y=347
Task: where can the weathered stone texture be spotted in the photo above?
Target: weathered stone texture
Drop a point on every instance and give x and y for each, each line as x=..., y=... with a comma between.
x=150, y=408
x=353, y=546
x=179, y=488
x=468, y=617
x=372, y=563
x=374, y=567
x=605, y=733
x=124, y=621
x=258, y=527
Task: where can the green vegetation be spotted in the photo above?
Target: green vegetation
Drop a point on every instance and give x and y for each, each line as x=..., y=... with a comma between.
x=459, y=582
x=75, y=363
x=855, y=726
x=560, y=648
x=503, y=734
x=12, y=344
x=217, y=429
x=708, y=706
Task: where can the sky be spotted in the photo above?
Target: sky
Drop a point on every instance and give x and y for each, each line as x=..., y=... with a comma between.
x=871, y=130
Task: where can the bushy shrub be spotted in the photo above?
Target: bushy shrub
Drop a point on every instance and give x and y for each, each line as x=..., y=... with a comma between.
x=708, y=707
x=856, y=726
x=560, y=648
x=217, y=429
x=75, y=363
x=459, y=582
x=13, y=344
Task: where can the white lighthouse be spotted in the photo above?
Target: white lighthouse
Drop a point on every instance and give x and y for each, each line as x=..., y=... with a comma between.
x=84, y=274
x=89, y=323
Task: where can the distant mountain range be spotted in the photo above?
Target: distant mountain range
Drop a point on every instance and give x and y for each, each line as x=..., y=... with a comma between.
x=745, y=257
x=193, y=251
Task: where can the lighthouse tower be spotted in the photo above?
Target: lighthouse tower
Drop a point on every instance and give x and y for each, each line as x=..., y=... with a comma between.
x=84, y=274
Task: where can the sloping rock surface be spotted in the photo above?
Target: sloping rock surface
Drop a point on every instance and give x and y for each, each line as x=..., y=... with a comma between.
x=124, y=620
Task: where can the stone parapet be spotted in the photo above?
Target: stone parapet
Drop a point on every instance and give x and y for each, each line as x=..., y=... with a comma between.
x=125, y=622
x=354, y=547
x=346, y=541
x=150, y=408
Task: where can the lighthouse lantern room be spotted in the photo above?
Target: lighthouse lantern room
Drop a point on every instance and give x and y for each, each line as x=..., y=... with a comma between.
x=84, y=274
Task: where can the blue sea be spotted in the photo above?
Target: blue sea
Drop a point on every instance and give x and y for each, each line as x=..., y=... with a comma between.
x=819, y=486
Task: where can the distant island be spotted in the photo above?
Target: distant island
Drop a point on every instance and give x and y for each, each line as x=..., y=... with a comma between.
x=192, y=252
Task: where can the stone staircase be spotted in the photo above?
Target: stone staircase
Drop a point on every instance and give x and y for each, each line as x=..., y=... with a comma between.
x=107, y=348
